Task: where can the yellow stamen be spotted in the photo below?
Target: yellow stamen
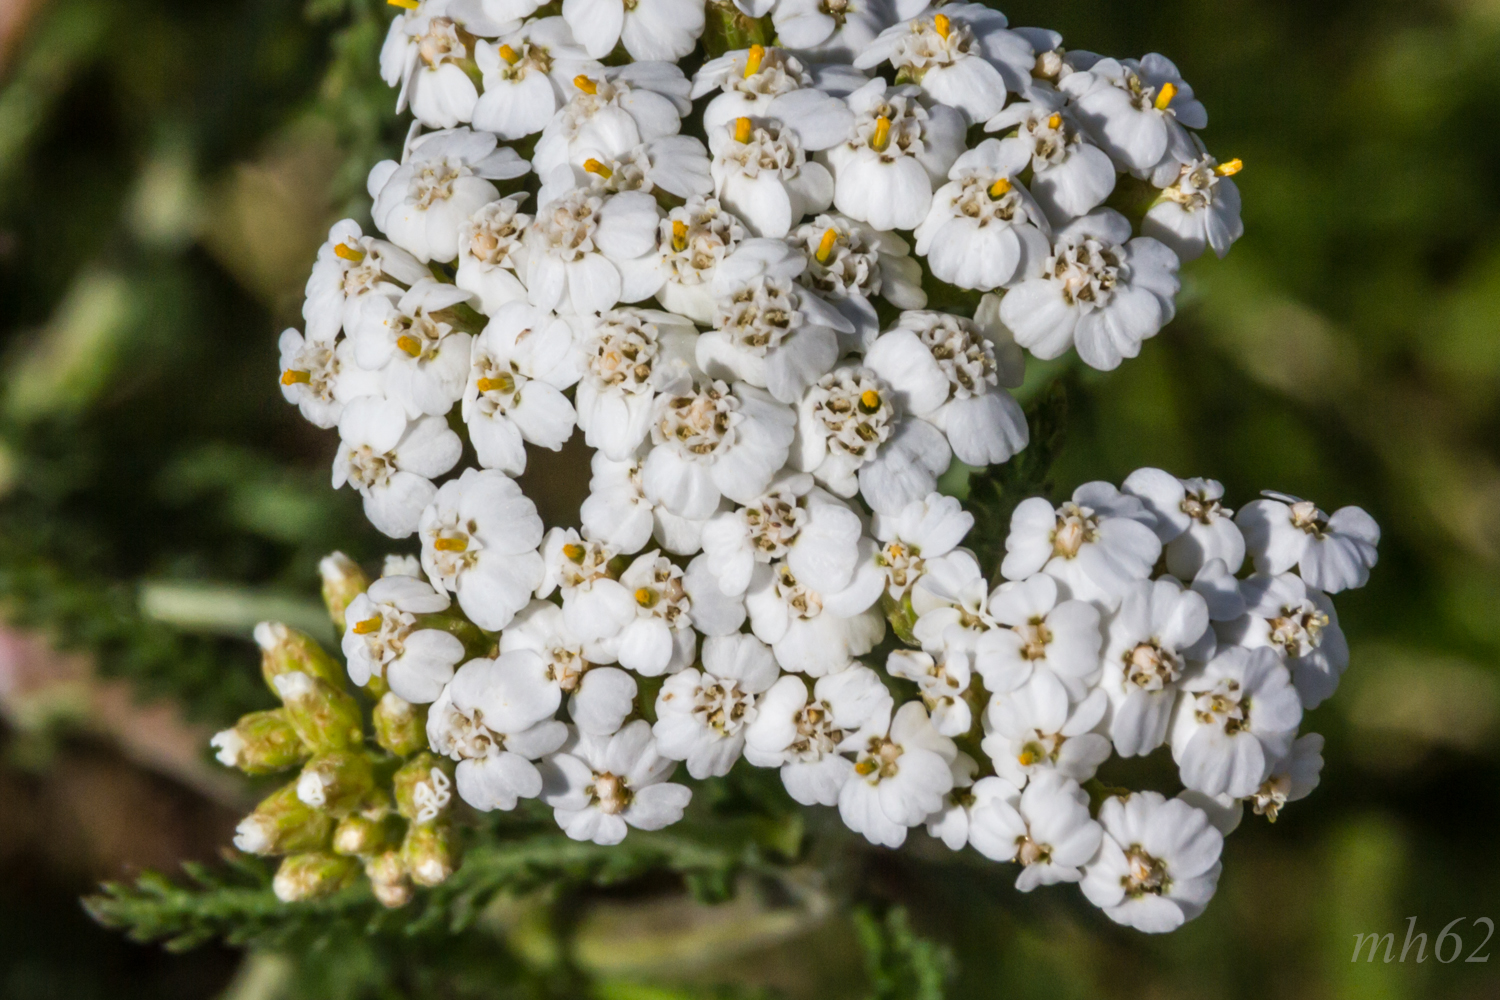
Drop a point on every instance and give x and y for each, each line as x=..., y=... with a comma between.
x=1027, y=758
x=593, y=166
x=1231, y=168
x=869, y=401
x=292, y=376
x=490, y=384
x=940, y=22
x=1055, y=121
x=351, y=254
x=882, y=136
x=586, y=85
x=866, y=766
x=368, y=625
x=574, y=552
x=679, y=235
x=411, y=345
x=825, y=246
x=408, y=4
x=458, y=544
x=1164, y=96
x=1000, y=188
x=752, y=60
x=509, y=55
x=645, y=597
x=742, y=130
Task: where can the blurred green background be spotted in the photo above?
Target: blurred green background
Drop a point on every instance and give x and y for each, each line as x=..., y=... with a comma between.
x=166, y=171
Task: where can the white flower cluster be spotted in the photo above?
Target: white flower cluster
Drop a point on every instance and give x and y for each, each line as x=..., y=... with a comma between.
x=736, y=326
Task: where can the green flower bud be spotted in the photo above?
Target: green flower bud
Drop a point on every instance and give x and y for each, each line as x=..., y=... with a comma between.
x=360, y=835
x=309, y=876
x=428, y=852
x=336, y=782
x=324, y=716
x=260, y=743
x=423, y=787
x=283, y=824
x=400, y=726
x=284, y=650
x=343, y=581
x=388, y=879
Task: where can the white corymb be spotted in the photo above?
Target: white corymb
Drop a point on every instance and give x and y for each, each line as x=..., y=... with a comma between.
x=769, y=331
x=1095, y=545
x=598, y=786
x=517, y=372
x=319, y=377
x=896, y=153
x=596, y=605
x=1332, y=553
x=351, y=265
x=600, y=697
x=426, y=56
x=1034, y=729
x=1070, y=176
x=495, y=718
x=816, y=534
x=382, y=639
x=983, y=230
x=414, y=343
x=587, y=251
x=1157, y=629
x=811, y=631
x=612, y=113
x=899, y=779
x=392, y=461
x=806, y=735
x=850, y=264
x=1098, y=290
x=527, y=76
x=649, y=29
x=1191, y=520
x=1045, y=634
x=762, y=172
x=952, y=373
x=1158, y=863
x=491, y=254
x=660, y=639
x=1292, y=779
x=943, y=680
x=712, y=441
x=1136, y=110
x=693, y=240
x=618, y=512
x=924, y=529
x=443, y=178
x=627, y=355
x=479, y=540
x=1284, y=613
x=960, y=55
x=1046, y=829
x=1235, y=719
x=1198, y=209
x=701, y=717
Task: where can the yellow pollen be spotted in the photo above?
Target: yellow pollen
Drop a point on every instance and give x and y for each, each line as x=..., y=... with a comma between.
x=866, y=766
x=1000, y=188
x=752, y=60
x=742, y=130
x=345, y=251
x=1027, y=758
x=586, y=85
x=408, y=4
x=293, y=375
x=489, y=384
x=368, y=625
x=593, y=166
x=459, y=544
x=509, y=55
x=574, y=552
x=882, y=136
x=940, y=22
x=645, y=597
x=411, y=345
x=1055, y=121
x=1231, y=168
x=869, y=400
x=825, y=246
x=1164, y=96
x=679, y=235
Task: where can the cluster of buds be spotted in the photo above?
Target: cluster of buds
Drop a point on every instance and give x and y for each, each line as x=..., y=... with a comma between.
x=367, y=796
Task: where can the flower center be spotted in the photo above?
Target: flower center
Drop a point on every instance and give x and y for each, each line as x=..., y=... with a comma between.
x=1146, y=875
x=610, y=792
x=774, y=521
x=385, y=632
x=695, y=238
x=1076, y=526
x=879, y=760
x=1029, y=852
x=839, y=264
x=1201, y=508
x=1035, y=636
x=441, y=43
x=722, y=706
x=1150, y=667
x=584, y=562
x=494, y=234
x=314, y=366
x=369, y=469
x=1041, y=747
x=1224, y=705
x=418, y=336
x=1307, y=517
x=804, y=603
x=767, y=148
x=936, y=42
x=622, y=351
x=700, y=423
x=902, y=563
x=854, y=411
x=498, y=382
x=759, y=316
x=1299, y=628
x=988, y=198
x=967, y=359
x=894, y=128
x=433, y=182
x=662, y=595
x=816, y=734
x=1271, y=796
x=1088, y=271
x=1051, y=139
x=566, y=228
x=455, y=548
